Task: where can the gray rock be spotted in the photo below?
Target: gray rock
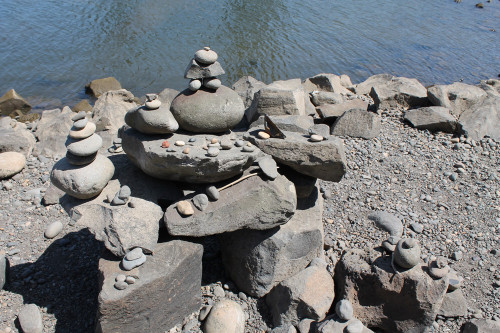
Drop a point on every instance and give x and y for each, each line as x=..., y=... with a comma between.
x=325, y=97
x=11, y=102
x=146, y=153
x=134, y=254
x=481, y=120
x=129, y=265
x=200, y=201
x=407, y=253
x=246, y=87
x=158, y=121
x=213, y=151
x=225, y=316
x=124, y=192
x=99, y=86
x=252, y=204
x=387, y=222
x=399, y=91
x=52, y=195
x=53, y=229
x=358, y=124
x=404, y=302
x=344, y=310
x=80, y=124
x=334, y=324
x=79, y=116
x=292, y=123
x=16, y=138
x=491, y=87
x=324, y=160
x=365, y=87
x=30, y=319
x=457, y=97
x=256, y=260
x=284, y=329
x=269, y=167
x=280, y=98
x=197, y=71
x=85, y=147
x=221, y=110
x=333, y=111
x=121, y=228
x=325, y=82
x=454, y=305
x=11, y=163
x=118, y=201
x=304, y=185
x=84, y=133
x=481, y=326
x=52, y=131
x=110, y=109
x=83, y=105
x=432, y=118
x=322, y=130
x=153, y=303
x=80, y=160
x=4, y=271
x=307, y=294
x=82, y=182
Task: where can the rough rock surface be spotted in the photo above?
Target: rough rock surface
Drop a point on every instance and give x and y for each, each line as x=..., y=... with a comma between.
x=366, y=86
x=299, y=124
x=145, y=151
x=110, y=109
x=52, y=131
x=246, y=87
x=406, y=302
x=167, y=290
x=100, y=86
x=432, y=118
x=323, y=160
x=326, y=82
x=334, y=324
x=159, y=121
x=11, y=102
x=280, y=98
x=11, y=163
x=258, y=260
x=253, y=203
x=481, y=120
x=325, y=97
x=399, y=91
x=332, y=111
x=15, y=137
x=196, y=71
x=481, y=326
x=205, y=111
x=454, y=304
x=307, y=294
x=458, y=97
x=358, y=124
x=225, y=316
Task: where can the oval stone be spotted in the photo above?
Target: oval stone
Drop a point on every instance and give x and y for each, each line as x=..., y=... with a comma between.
x=184, y=207
x=213, y=84
x=53, y=229
x=11, y=163
x=85, y=147
x=206, y=56
x=80, y=124
x=84, y=133
x=194, y=85
x=153, y=105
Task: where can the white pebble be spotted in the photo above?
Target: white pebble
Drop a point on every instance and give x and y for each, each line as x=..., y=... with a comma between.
x=53, y=229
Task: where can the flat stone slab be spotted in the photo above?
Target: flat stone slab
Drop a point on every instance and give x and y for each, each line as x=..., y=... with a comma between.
x=253, y=203
x=324, y=160
x=333, y=111
x=145, y=152
x=166, y=290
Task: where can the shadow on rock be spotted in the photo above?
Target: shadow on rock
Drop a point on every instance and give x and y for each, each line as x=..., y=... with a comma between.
x=64, y=279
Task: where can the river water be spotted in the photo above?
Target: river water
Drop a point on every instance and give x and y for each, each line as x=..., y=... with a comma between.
x=50, y=49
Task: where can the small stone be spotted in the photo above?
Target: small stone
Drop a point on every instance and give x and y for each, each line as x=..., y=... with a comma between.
x=248, y=149
x=80, y=115
x=124, y=192
x=11, y=163
x=417, y=227
x=225, y=316
x=131, y=264
x=212, y=193
x=212, y=151
x=457, y=255
x=388, y=246
x=130, y=280
x=219, y=291
x=439, y=268
x=194, y=85
x=213, y=84
x=242, y=296
x=206, y=56
x=180, y=143
x=344, y=309
x=30, y=319
x=134, y=254
x=84, y=133
x=407, y=253
x=109, y=198
x=214, y=141
x=239, y=143
x=192, y=140
x=263, y=135
x=200, y=201
x=185, y=208
x=121, y=285
x=226, y=144
x=269, y=167
x=53, y=229
x=387, y=222
x=80, y=124
x=117, y=201
x=165, y=144
x=120, y=278
x=153, y=105
x=453, y=176
x=316, y=138
x=186, y=150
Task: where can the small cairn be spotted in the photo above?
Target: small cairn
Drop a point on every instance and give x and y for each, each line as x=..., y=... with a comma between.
x=203, y=70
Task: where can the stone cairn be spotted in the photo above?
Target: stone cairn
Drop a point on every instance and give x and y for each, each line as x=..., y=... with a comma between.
x=83, y=173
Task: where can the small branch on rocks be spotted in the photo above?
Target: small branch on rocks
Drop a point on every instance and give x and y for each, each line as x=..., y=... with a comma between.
x=237, y=181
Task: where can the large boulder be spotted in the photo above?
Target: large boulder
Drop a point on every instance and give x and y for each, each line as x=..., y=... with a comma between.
x=406, y=301
x=357, y=123
x=458, y=97
x=258, y=260
x=481, y=120
x=324, y=160
x=333, y=111
x=481, y=326
x=15, y=137
x=167, y=290
x=366, y=86
x=11, y=102
x=100, y=86
x=327, y=82
x=432, y=118
x=279, y=98
x=253, y=203
x=52, y=131
x=246, y=87
x=146, y=152
x=208, y=111
x=307, y=294
x=491, y=87
x=399, y=91
x=454, y=304
x=11, y=163
x=299, y=124
x=110, y=109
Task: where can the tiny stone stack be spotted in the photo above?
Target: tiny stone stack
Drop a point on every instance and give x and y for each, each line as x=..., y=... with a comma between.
x=83, y=173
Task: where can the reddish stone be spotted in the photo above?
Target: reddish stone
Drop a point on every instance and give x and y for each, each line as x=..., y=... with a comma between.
x=165, y=144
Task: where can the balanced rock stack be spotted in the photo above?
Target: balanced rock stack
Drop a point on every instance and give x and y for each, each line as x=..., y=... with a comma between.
x=83, y=173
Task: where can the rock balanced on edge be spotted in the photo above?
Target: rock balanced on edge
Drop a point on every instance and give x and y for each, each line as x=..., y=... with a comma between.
x=83, y=173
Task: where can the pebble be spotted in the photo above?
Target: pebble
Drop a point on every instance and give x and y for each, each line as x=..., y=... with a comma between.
x=134, y=254
x=118, y=201
x=131, y=204
x=84, y=133
x=130, y=280
x=200, y=201
x=206, y=56
x=121, y=285
x=79, y=115
x=239, y=143
x=124, y=192
x=316, y=138
x=153, y=105
x=180, y=143
x=356, y=326
x=212, y=151
x=8, y=186
x=4, y=266
x=85, y=147
x=269, y=167
x=53, y=229
x=131, y=264
x=242, y=296
x=11, y=163
x=248, y=149
x=120, y=278
x=457, y=255
x=226, y=144
x=165, y=144
x=213, y=193
x=186, y=150
x=219, y=291
x=225, y=316
x=417, y=227
x=80, y=124
x=387, y=222
x=439, y=268
x=213, y=84
x=194, y=85
x=184, y=208
x=30, y=319
x=214, y=141
x=453, y=176
x=344, y=309
x=263, y=135
x=407, y=253
x=109, y=198
x=192, y=140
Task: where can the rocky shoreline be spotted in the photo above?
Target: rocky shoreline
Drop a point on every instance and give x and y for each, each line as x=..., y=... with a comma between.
x=380, y=166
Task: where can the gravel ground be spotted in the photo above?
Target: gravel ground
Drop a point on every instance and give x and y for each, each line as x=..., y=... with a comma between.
x=446, y=192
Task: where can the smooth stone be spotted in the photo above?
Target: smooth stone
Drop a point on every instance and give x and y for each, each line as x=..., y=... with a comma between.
x=192, y=140
x=85, y=147
x=387, y=222
x=11, y=163
x=239, y=143
x=121, y=285
x=153, y=105
x=212, y=151
x=388, y=246
x=407, y=253
x=185, y=208
x=130, y=280
x=225, y=316
x=80, y=115
x=129, y=265
x=248, y=149
x=344, y=309
x=213, y=193
x=120, y=278
x=226, y=144
x=206, y=56
x=159, y=121
x=194, y=85
x=134, y=254
x=80, y=160
x=100, y=86
x=200, y=201
x=263, y=135
x=269, y=167
x=439, y=268
x=80, y=124
x=355, y=327
x=30, y=319
x=180, y=143
x=186, y=150
x=84, y=133
x=213, y=84
x=53, y=229
x=117, y=201
x=316, y=138
x=124, y=192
